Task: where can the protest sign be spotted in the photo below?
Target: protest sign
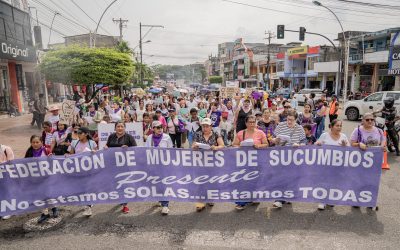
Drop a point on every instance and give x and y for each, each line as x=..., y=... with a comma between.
x=228, y=92
x=67, y=112
x=232, y=84
x=133, y=128
x=319, y=174
x=248, y=92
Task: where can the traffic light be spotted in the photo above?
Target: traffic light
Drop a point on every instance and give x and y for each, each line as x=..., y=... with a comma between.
x=302, y=33
x=281, y=31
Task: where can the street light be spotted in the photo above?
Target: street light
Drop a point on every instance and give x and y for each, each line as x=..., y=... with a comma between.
x=98, y=23
x=51, y=27
x=148, y=41
x=346, y=53
x=141, y=43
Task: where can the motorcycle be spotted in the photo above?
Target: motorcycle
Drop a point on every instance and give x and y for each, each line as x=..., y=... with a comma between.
x=381, y=123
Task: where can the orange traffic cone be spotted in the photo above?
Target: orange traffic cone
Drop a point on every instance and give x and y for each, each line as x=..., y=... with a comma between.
x=385, y=164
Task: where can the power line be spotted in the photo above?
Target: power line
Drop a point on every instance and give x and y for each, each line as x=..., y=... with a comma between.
x=66, y=18
x=297, y=14
x=383, y=6
x=77, y=5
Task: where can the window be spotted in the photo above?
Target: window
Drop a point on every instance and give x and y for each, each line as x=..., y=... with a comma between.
x=280, y=66
x=374, y=97
x=396, y=96
x=2, y=29
x=19, y=33
x=311, y=62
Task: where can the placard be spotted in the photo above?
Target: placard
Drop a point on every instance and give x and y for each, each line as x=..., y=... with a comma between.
x=67, y=112
x=133, y=128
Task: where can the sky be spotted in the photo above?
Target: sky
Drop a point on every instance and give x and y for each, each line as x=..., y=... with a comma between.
x=194, y=28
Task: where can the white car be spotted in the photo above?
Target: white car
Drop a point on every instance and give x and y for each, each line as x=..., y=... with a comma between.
x=300, y=95
x=354, y=110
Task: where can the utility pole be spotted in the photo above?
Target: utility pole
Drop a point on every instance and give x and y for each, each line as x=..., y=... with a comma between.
x=269, y=37
x=122, y=24
x=141, y=45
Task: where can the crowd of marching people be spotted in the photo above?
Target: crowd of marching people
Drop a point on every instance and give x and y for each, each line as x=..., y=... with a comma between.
x=196, y=121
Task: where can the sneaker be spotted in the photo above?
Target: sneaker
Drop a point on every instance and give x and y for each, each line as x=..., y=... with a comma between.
x=200, y=207
x=43, y=218
x=125, y=209
x=165, y=211
x=277, y=204
x=356, y=207
x=240, y=207
x=210, y=204
x=321, y=206
x=6, y=217
x=55, y=212
x=87, y=211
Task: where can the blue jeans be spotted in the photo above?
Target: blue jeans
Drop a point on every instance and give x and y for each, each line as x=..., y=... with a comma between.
x=320, y=128
x=190, y=138
x=164, y=203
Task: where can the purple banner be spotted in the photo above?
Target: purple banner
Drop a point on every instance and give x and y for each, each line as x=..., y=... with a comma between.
x=328, y=174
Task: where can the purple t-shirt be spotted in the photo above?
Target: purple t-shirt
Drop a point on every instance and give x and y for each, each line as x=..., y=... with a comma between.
x=215, y=118
x=369, y=138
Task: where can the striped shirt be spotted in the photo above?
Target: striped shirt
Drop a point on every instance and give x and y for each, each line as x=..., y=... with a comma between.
x=296, y=133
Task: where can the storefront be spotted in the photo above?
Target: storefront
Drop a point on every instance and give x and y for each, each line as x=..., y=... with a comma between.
x=17, y=58
x=17, y=67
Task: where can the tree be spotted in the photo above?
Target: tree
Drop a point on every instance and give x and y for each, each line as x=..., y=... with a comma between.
x=123, y=47
x=215, y=79
x=87, y=66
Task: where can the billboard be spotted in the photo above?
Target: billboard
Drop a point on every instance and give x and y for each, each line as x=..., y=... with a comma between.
x=394, y=55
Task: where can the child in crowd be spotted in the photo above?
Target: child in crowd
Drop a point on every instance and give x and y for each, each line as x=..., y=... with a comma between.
x=225, y=128
x=37, y=149
x=310, y=137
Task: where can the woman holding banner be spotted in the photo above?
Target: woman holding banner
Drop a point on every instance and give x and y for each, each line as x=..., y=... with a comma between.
x=250, y=136
x=160, y=140
x=6, y=154
x=289, y=133
x=60, y=142
x=207, y=138
x=121, y=139
x=37, y=149
x=83, y=144
x=334, y=137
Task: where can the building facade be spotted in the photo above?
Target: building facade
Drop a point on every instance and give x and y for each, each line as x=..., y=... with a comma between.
x=18, y=59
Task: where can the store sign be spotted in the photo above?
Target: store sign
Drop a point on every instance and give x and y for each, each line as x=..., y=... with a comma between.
x=18, y=52
x=394, y=55
x=298, y=51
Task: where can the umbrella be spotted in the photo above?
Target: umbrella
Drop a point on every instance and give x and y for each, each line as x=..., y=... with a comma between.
x=154, y=91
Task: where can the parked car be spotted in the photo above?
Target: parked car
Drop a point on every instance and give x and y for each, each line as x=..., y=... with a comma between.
x=357, y=108
x=284, y=92
x=300, y=96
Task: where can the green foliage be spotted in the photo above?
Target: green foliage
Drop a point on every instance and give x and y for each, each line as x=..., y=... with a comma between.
x=123, y=47
x=191, y=73
x=87, y=66
x=215, y=79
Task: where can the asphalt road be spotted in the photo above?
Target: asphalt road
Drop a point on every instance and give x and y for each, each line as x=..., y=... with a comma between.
x=296, y=226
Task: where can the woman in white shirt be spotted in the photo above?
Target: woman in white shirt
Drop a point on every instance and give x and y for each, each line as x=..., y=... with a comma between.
x=334, y=137
x=160, y=140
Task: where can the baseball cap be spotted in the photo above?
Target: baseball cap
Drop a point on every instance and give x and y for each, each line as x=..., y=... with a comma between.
x=171, y=109
x=206, y=121
x=156, y=124
x=83, y=130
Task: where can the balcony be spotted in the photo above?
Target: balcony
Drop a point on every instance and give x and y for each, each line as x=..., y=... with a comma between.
x=355, y=58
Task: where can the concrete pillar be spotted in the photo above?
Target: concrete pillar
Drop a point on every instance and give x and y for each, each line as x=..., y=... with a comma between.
x=337, y=87
x=323, y=83
x=15, y=96
x=375, y=78
x=397, y=83
x=353, y=76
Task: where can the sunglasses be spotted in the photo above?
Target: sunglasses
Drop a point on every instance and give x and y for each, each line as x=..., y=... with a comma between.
x=158, y=127
x=369, y=120
x=286, y=107
x=75, y=131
